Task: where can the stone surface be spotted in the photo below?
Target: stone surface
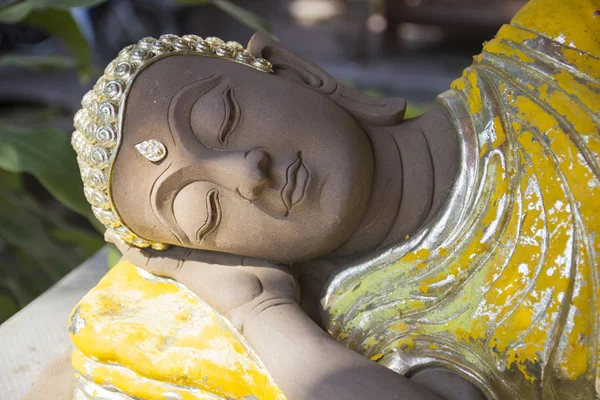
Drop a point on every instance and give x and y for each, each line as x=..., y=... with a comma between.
x=38, y=333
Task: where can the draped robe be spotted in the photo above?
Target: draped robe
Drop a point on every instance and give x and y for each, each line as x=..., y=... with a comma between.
x=502, y=286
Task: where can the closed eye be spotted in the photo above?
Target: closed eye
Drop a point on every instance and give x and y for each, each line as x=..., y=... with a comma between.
x=213, y=215
x=232, y=116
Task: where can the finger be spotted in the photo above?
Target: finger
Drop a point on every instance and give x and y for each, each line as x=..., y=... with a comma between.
x=221, y=286
x=138, y=257
x=166, y=263
x=130, y=253
x=214, y=257
x=117, y=241
x=197, y=263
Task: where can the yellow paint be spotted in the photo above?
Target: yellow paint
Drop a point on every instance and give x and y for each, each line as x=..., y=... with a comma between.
x=469, y=85
x=422, y=254
x=377, y=357
x=518, y=289
x=571, y=22
x=165, y=338
x=501, y=47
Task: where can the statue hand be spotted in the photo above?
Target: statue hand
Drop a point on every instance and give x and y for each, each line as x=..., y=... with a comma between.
x=235, y=286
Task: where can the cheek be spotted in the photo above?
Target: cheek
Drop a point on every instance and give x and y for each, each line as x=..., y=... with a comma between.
x=244, y=228
x=346, y=166
x=248, y=231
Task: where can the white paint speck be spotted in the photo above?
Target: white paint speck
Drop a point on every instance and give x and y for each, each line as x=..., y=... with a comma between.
x=523, y=269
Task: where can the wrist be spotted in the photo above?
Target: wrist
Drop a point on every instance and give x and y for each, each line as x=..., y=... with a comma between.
x=252, y=311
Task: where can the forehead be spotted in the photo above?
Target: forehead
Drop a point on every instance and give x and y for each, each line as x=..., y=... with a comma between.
x=182, y=69
x=153, y=90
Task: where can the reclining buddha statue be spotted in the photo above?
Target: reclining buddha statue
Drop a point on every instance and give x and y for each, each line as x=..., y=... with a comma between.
x=286, y=237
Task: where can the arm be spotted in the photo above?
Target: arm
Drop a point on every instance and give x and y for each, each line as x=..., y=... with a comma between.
x=260, y=299
x=307, y=363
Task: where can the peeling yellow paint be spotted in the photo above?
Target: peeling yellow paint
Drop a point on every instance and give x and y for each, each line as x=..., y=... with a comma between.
x=148, y=336
x=573, y=23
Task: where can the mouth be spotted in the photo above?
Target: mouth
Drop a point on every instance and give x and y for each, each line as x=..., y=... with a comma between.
x=295, y=185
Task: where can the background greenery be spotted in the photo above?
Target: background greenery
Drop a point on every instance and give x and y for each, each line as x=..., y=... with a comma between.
x=46, y=225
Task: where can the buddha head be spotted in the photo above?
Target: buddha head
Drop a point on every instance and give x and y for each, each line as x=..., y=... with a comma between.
x=206, y=145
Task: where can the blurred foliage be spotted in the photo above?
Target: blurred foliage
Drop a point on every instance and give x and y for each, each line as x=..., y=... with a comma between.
x=412, y=110
x=38, y=64
x=47, y=155
x=40, y=239
x=54, y=17
x=241, y=14
x=60, y=24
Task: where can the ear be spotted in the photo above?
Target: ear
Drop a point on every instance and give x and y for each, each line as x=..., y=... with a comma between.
x=367, y=109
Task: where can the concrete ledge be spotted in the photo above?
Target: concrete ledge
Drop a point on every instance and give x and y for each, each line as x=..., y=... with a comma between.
x=38, y=334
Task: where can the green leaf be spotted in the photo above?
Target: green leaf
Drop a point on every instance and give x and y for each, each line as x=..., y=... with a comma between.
x=246, y=17
x=114, y=255
x=193, y=2
x=66, y=4
x=10, y=182
x=8, y=306
x=16, y=290
x=38, y=64
x=29, y=280
x=15, y=12
x=88, y=242
x=60, y=23
x=24, y=229
x=373, y=92
x=28, y=117
x=47, y=155
x=414, y=110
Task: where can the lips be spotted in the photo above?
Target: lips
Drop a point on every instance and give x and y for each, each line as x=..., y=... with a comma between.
x=295, y=185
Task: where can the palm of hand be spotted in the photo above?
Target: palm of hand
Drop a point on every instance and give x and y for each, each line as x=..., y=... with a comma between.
x=235, y=286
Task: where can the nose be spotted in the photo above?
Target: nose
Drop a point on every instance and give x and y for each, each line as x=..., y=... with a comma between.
x=245, y=172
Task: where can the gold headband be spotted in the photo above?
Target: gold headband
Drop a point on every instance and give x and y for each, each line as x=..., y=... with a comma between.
x=98, y=124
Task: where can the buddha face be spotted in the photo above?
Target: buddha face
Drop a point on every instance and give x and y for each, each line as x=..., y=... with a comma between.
x=257, y=165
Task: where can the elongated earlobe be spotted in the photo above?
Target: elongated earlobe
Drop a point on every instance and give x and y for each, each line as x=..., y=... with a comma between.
x=366, y=109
